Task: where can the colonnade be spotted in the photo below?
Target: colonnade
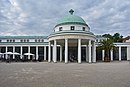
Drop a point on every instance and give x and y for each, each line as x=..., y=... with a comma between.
x=21, y=51
x=90, y=51
x=119, y=53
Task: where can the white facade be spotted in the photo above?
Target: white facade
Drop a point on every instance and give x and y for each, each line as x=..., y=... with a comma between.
x=67, y=27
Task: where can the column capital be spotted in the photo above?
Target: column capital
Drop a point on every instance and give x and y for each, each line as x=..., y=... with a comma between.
x=89, y=42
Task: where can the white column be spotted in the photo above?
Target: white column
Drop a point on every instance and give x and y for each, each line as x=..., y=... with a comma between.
x=89, y=46
x=60, y=53
x=79, y=50
x=94, y=52
x=66, y=50
x=29, y=52
x=49, y=52
x=44, y=52
x=111, y=54
x=13, y=52
x=21, y=52
x=6, y=50
x=103, y=55
x=119, y=53
x=36, y=52
x=128, y=53
x=87, y=53
x=54, y=52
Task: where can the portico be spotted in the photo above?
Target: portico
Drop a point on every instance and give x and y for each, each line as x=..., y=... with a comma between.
x=90, y=55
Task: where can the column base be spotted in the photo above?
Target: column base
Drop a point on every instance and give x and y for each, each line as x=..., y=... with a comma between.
x=89, y=62
x=55, y=61
x=79, y=62
x=66, y=62
x=49, y=61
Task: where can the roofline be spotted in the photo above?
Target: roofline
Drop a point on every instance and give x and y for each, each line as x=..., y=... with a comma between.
x=72, y=32
x=71, y=23
x=24, y=43
x=23, y=37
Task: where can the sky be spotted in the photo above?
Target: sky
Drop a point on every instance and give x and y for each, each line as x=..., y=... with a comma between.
x=38, y=17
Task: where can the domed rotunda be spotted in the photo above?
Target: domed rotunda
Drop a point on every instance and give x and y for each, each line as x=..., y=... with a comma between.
x=72, y=41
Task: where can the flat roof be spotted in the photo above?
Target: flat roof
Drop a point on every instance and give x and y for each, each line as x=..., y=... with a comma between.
x=23, y=37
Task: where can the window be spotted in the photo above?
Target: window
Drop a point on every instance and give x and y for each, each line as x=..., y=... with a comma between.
x=0, y=40
x=42, y=40
x=60, y=28
x=72, y=27
x=13, y=40
x=10, y=40
x=39, y=40
x=83, y=28
x=35, y=40
x=21, y=40
x=7, y=40
x=27, y=40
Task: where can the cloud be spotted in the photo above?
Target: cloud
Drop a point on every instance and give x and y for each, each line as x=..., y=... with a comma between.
x=12, y=18
x=31, y=17
x=109, y=17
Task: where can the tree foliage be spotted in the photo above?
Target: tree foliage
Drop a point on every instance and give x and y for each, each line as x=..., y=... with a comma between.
x=116, y=37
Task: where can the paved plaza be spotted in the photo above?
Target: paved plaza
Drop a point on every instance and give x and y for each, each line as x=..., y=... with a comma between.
x=43, y=74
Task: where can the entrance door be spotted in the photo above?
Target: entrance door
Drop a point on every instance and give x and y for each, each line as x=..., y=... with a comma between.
x=73, y=53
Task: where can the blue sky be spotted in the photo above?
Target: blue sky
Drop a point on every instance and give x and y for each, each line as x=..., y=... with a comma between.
x=38, y=17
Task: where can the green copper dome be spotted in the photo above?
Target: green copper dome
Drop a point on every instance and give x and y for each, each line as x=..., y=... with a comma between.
x=69, y=19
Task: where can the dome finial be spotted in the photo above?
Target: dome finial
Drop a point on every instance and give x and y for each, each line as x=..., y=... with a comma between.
x=71, y=11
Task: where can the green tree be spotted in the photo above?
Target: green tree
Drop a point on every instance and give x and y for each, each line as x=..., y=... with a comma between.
x=108, y=36
x=116, y=37
x=106, y=45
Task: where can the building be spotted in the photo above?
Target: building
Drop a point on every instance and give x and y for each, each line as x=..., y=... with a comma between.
x=71, y=41
x=126, y=39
